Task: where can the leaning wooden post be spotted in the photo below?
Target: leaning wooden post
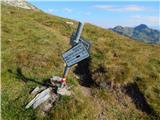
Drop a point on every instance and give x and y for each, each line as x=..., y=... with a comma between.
x=74, y=41
x=78, y=32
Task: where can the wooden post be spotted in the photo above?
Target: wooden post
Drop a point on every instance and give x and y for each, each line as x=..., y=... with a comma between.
x=66, y=70
x=75, y=41
x=78, y=32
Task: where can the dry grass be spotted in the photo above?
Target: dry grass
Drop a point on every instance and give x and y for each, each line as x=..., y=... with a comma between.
x=34, y=42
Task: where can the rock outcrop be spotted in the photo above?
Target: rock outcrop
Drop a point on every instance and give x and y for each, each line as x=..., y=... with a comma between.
x=19, y=3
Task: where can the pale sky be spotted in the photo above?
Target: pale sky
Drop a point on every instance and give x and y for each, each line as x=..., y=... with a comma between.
x=106, y=14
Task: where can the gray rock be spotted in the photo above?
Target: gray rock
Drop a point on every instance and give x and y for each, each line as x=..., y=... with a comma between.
x=105, y=85
x=19, y=3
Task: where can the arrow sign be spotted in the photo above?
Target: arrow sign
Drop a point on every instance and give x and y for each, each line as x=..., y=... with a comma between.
x=86, y=43
x=75, y=54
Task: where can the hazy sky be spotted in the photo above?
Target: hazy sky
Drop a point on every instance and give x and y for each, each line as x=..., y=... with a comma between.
x=105, y=13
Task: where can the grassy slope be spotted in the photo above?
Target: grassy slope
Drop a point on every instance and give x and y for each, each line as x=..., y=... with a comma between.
x=34, y=41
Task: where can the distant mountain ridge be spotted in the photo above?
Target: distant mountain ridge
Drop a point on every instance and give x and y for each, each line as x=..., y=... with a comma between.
x=141, y=33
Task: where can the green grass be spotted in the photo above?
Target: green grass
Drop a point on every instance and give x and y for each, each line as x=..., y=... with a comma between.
x=34, y=42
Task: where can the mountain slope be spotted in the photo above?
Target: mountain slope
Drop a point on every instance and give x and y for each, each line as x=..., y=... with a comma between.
x=33, y=41
x=140, y=32
x=19, y=3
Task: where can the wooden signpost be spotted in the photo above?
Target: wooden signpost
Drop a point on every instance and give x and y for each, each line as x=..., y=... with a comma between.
x=78, y=52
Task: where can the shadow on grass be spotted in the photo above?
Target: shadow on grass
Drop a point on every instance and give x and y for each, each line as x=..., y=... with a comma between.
x=24, y=78
x=139, y=100
x=12, y=103
x=83, y=70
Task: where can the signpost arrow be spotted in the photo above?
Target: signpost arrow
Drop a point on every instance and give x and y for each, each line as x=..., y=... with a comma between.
x=86, y=43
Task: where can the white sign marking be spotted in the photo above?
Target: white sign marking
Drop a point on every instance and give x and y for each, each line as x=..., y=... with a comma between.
x=75, y=54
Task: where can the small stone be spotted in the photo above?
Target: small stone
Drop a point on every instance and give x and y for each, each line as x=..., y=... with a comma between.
x=105, y=85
